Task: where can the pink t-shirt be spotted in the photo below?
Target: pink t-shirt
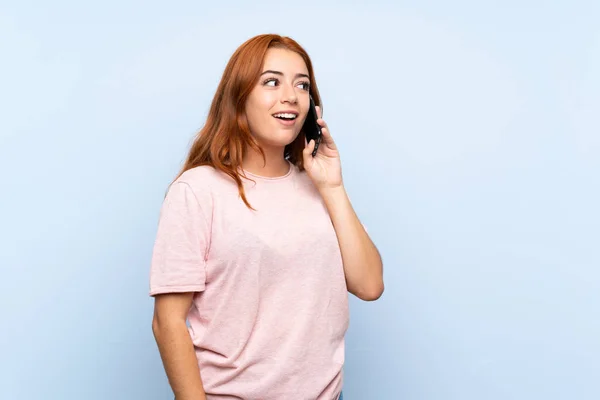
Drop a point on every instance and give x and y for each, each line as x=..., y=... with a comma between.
x=271, y=309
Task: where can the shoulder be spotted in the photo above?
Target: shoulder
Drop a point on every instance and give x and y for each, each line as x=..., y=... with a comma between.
x=203, y=179
x=198, y=176
x=194, y=184
x=207, y=184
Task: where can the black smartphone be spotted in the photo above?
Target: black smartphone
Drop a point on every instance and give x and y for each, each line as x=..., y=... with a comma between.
x=312, y=130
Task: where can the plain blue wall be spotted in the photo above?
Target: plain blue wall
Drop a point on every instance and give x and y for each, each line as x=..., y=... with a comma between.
x=470, y=140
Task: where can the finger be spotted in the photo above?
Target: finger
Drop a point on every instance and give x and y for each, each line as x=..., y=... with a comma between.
x=326, y=135
x=309, y=147
x=307, y=152
x=318, y=108
x=328, y=139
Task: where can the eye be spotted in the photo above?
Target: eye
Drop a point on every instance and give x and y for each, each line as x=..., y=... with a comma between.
x=271, y=82
x=305, y=85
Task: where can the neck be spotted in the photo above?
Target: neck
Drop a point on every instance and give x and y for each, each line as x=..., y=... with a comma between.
x=274, y=166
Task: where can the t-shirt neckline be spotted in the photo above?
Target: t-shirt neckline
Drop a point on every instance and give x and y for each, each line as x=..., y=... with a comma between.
x=272, y=178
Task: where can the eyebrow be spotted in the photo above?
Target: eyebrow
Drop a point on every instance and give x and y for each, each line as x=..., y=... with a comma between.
x=270, y=71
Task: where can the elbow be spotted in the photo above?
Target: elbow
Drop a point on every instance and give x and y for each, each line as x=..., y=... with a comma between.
x=166, y=321
x=372, y=293
x=155, y=324
x=170, y=313
x=160, y=325
x=371, y=287
x=155, y=327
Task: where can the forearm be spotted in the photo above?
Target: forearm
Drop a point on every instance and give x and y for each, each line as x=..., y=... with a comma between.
x=362, y=263
x=179, y=360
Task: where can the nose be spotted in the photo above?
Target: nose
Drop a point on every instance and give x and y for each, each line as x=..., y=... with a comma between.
x=289, y=95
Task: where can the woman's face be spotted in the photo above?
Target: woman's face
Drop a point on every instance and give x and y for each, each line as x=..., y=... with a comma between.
x=277, y=106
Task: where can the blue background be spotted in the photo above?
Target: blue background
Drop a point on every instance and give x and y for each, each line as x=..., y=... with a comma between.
x=470, y=139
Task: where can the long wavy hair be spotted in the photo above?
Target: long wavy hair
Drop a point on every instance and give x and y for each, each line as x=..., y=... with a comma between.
x=225, y=138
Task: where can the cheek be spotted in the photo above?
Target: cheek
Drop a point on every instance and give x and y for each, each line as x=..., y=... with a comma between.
x=263, y=107
x=267, y=102
x=257, y=114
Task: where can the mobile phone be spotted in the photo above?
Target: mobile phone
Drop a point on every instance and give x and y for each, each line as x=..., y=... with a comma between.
x=312, y=130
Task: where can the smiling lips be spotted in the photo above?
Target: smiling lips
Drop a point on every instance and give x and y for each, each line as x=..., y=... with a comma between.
x=286, y=118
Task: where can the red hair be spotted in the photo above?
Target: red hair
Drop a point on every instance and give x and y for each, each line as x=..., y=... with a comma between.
x=225, y=137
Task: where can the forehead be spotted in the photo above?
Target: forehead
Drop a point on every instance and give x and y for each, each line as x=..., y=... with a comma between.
x=285, y=61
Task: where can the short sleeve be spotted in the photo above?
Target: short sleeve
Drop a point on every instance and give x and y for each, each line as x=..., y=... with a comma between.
x=181, y=244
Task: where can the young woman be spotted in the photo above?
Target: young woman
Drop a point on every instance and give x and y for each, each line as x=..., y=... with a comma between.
x=258, y=245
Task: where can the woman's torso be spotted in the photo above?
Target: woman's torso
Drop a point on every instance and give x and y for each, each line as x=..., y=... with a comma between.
x=271, y=321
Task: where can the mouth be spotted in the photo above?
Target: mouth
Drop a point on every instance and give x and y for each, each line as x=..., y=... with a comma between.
x=286, y=118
